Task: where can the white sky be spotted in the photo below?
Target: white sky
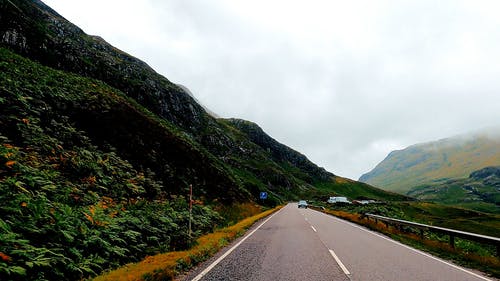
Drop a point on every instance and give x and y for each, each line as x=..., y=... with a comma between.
x=344, y=82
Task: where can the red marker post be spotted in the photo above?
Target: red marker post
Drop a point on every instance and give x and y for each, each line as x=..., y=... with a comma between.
x=190, y=207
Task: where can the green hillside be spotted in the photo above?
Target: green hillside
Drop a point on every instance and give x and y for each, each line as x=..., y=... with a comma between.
x=435, y=162
x=89, y=179
x=480, y=191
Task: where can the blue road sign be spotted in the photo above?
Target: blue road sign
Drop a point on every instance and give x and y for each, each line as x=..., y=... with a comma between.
x=263, y=195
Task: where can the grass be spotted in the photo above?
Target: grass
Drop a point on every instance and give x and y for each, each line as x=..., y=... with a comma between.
x=467, y=253
x=166, y=266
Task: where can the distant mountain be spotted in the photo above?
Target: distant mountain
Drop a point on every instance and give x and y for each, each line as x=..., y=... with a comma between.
x=436, y=162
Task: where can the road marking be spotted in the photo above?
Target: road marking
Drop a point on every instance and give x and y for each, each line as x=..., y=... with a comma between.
x=410, y=248
x=342, y=266
x=210, y=267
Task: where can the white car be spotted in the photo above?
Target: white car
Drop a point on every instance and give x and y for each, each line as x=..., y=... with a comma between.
x=303, y=204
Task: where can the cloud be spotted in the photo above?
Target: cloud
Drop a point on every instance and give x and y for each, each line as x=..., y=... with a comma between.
x=344, y=82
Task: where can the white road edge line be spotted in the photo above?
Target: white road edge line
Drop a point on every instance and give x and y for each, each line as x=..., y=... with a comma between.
x=210, y=267
x=342, y=266
x=410, y=248
x=314, y=228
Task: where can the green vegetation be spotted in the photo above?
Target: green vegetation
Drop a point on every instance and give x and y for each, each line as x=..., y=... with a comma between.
x=69, y=208
x=54, y=227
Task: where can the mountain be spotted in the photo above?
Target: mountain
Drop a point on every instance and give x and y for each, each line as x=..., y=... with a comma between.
x=97, y=152
x=458, y=171
x=436, y=161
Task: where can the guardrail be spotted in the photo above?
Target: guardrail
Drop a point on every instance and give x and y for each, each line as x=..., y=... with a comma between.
x=452, y=233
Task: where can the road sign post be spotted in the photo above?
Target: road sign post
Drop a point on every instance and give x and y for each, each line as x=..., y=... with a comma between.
x=263, y=195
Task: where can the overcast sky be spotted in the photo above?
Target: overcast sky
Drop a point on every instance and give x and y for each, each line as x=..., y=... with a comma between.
x=343, y=82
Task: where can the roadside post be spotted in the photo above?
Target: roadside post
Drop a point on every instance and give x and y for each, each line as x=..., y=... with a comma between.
x=190, y=208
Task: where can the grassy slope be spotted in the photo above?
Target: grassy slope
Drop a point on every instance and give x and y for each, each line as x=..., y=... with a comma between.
x=435, y=161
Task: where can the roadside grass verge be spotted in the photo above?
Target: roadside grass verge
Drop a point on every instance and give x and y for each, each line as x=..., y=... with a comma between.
x=165, y=266
x=466, y=253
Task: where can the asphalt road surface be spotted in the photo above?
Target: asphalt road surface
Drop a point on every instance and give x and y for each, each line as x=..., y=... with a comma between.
x=303, y=244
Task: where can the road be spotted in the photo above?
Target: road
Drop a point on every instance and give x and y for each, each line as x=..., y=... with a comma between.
x=303, y=244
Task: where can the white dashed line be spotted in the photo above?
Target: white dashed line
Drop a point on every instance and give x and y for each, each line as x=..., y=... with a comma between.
x=342, y=266
x=314, y=228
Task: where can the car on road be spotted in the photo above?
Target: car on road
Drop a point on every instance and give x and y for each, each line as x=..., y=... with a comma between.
x=303, y=204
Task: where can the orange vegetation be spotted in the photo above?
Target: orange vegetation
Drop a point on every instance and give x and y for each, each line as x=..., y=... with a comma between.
x=4, y=257
x=163, y=266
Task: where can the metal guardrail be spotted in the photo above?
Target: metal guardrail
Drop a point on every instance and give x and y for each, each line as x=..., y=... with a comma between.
x=490, y=240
